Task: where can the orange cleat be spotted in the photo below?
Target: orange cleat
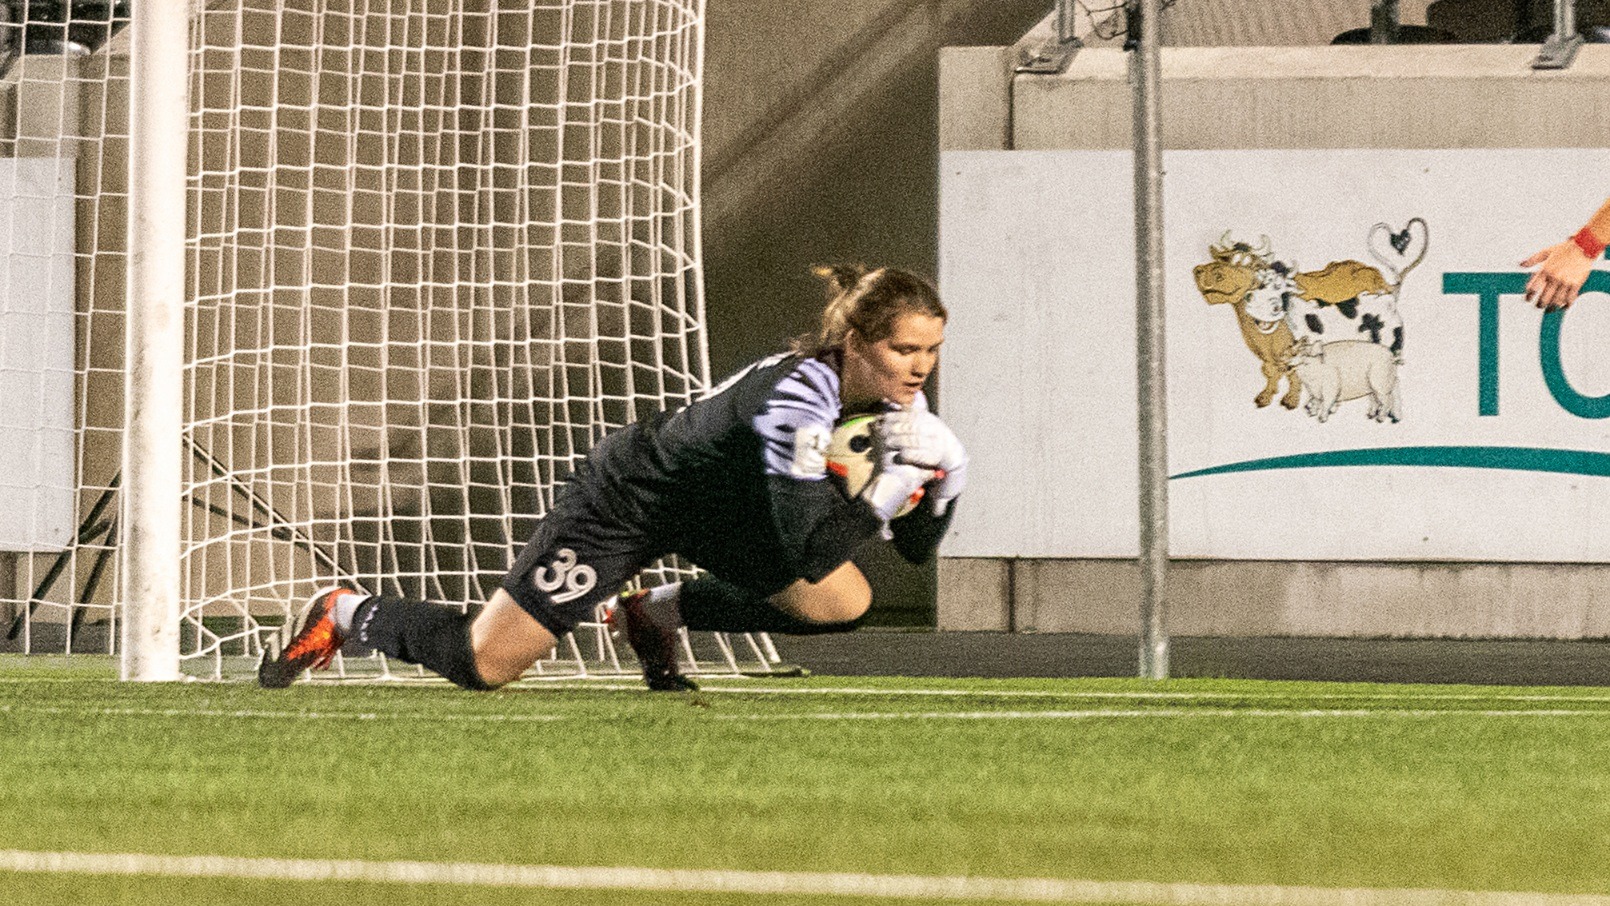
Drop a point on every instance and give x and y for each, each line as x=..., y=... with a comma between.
x=312, y=646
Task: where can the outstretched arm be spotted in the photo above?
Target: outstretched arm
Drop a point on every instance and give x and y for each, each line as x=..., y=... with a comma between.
x=1565, y=266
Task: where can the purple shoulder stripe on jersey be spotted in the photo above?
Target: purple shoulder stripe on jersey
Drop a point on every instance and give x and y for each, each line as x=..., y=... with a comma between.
x=797, y=420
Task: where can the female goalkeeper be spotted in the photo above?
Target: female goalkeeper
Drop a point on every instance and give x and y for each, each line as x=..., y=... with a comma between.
x=737, y=482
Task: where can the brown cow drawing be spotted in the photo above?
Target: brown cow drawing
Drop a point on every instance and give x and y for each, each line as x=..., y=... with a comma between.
x=1229, y=279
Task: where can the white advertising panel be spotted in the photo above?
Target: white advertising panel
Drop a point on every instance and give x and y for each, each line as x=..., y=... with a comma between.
x=36, y=354
x=1353, y=372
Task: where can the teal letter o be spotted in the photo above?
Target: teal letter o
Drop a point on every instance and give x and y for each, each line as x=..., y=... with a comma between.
x=1549, y=354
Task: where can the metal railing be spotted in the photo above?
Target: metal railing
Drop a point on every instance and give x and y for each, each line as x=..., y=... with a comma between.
x=1561, y=47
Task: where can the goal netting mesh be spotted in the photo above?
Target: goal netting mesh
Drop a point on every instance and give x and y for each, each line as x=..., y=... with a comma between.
x=436, y=249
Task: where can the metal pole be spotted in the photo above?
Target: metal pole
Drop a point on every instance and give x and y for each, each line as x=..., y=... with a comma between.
x=1146, y=72
x=1065, y=21
x=153, y=372
x=1564, y=18
x=1560, y=49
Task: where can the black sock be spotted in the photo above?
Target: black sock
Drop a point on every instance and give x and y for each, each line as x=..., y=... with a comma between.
x=711, y=605
x=419, y=632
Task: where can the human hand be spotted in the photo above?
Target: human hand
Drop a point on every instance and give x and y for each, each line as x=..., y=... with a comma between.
x=894, y=487
x=1565, y=267
x=920, y=438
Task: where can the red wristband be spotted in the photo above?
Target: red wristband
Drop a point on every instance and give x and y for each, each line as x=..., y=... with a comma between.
x=1588, y=243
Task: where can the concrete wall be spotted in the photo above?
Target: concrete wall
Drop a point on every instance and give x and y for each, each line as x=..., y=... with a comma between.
x=1461, y=96
x=819, y=125
x=1268, y=598
x=1290, y=96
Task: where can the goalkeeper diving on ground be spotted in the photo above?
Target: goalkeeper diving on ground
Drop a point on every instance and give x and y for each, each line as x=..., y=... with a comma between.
x=737, y=482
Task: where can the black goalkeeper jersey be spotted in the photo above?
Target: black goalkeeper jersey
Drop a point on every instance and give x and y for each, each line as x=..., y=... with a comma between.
x=738, y=481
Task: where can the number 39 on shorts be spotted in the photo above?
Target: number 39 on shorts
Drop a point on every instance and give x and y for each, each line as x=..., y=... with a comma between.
x=564, y=573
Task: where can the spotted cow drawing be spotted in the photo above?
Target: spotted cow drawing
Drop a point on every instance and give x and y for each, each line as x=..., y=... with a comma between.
x=1286, y=314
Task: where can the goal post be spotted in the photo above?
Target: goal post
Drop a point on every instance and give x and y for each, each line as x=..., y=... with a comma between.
x=432, y=251
x=154, y=369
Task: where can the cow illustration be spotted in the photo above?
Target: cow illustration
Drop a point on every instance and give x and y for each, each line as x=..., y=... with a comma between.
x=1230, y=279
x=1348, y=300
x=1351, y=300
x=1279, y=307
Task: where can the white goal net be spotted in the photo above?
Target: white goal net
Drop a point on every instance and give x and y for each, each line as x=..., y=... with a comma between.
x=436, y=248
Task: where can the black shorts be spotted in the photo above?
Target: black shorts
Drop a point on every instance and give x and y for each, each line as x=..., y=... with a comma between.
x=577, y=558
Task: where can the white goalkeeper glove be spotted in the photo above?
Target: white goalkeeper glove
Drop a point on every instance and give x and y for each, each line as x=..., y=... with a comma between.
x=894, y=485
x=917, y=437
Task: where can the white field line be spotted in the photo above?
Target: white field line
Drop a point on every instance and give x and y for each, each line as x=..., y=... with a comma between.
x=728, y=684
x=1139, y=695
x=1054, y=714
x=740, y=686
x=258, y=714
x=920, y=887
x=1108, y=713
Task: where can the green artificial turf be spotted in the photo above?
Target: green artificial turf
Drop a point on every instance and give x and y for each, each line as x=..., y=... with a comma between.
x=1206, y=781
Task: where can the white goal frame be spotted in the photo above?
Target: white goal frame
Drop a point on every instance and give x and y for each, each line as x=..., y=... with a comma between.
x=154, y=373
x=158, y=503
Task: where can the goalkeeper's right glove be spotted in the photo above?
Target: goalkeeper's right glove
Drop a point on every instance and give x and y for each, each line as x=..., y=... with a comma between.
x=893, y=486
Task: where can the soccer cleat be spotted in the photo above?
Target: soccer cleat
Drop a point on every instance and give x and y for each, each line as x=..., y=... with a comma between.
x=654, y=645
x=313, y=644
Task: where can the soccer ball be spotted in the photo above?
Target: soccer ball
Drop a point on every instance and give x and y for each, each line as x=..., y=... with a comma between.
x=852, y=456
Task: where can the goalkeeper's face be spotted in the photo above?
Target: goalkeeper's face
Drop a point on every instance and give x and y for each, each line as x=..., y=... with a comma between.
x=895, y=367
